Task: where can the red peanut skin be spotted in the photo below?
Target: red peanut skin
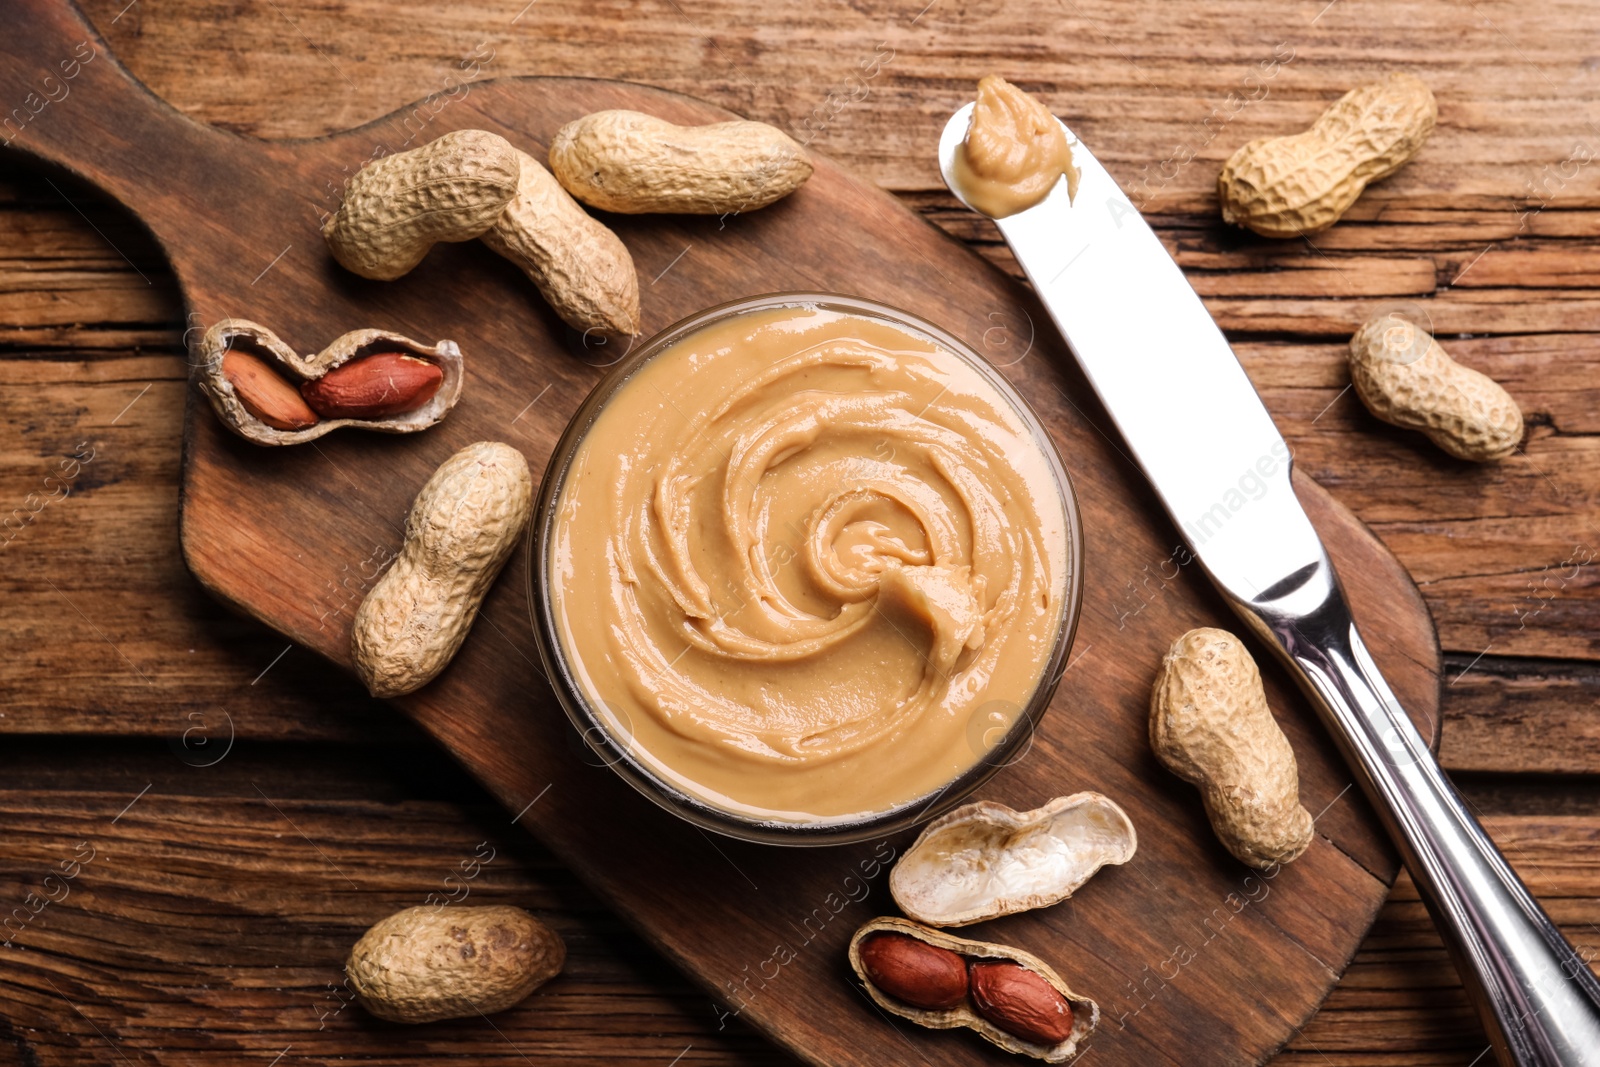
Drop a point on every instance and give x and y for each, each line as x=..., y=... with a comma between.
x=923, y=975
x=265, y=393
x=1020, y=1002
x=374, y=387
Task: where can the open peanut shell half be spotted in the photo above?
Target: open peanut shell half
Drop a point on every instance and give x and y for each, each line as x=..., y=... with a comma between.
x=267, y=350
x=985, y=860
x=1085, y=1012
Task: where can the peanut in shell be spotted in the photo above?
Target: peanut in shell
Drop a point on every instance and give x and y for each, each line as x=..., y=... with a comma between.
x=1301, y=184
x=581, y=268
x=1404, y=378
x=1085, y=1013
x=244, y=414
x=396, y=208
x=1210, y=725
x=429, y=963
x=632, y=163
x=462, y=528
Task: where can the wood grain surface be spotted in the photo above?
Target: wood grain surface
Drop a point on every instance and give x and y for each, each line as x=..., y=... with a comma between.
x=101, y=621
x=269, y=531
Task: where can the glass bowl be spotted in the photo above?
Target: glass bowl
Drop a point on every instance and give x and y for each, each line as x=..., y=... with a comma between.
x=598, y=740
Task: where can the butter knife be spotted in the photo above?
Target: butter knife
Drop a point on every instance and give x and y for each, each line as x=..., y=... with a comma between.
x=1193, y=422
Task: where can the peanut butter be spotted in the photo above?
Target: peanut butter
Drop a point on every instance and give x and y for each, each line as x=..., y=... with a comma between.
x=1014, y=154
x=808, y=564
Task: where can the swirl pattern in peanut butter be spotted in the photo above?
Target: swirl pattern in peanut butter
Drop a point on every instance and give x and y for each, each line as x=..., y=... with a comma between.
x=809, y=564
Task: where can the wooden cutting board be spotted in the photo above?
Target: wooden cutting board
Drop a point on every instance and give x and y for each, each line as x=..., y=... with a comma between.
x=1193, y=958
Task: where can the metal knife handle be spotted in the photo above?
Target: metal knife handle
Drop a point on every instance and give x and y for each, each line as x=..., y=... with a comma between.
x=1538, y=999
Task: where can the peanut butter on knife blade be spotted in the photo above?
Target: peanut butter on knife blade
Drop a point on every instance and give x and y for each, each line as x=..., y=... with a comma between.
x=1014, y=154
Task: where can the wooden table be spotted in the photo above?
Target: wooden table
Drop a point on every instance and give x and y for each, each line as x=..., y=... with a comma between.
x=236, y=812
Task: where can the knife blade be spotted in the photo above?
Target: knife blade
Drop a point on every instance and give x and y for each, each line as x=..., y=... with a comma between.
x=1164, y=372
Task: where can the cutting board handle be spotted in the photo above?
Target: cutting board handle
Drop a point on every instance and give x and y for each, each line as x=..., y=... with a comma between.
x=65, y=99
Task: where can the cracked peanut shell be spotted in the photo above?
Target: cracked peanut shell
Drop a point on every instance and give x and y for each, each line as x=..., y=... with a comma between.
x=1085, y=1012
x=429, y=963
x=256, y=340
x=984, y=860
